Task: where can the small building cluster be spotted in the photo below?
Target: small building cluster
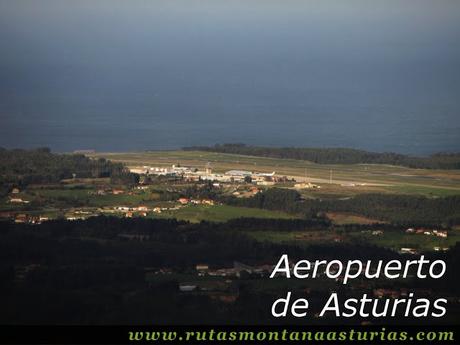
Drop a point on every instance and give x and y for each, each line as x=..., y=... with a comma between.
x=235, y=271
x=194, y=174
x=437, y=233
x=306, y=185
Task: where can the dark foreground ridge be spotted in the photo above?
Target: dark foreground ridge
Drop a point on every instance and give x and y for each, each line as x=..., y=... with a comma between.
x=108, y=270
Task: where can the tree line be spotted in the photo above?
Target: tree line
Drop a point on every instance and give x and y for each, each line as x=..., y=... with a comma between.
x=338, y=155
x=398, y=209
x=23, y=167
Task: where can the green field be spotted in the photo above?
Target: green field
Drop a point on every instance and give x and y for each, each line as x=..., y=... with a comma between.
x=366, y=177
x=220, y=213
x=53, y=202
x=75, y=197
x=341, y=218
x=397, y=240
x=390, y=239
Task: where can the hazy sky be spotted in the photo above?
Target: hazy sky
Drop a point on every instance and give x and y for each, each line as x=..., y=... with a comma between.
x=125, y=75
